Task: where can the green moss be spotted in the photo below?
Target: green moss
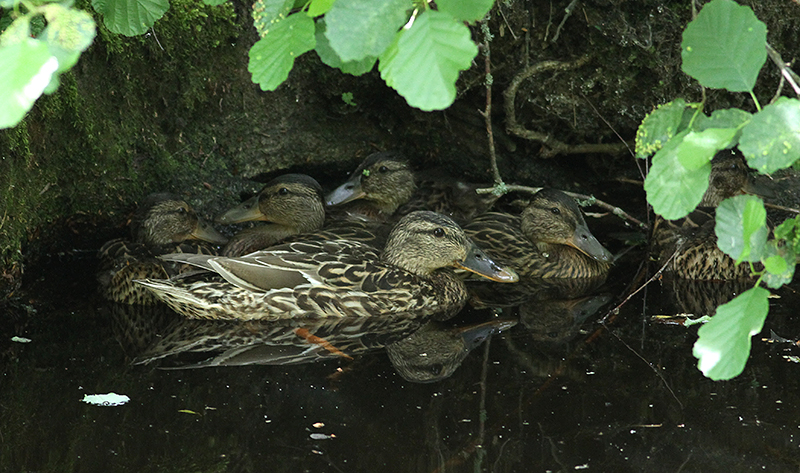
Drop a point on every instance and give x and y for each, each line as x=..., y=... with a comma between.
x=98, y=144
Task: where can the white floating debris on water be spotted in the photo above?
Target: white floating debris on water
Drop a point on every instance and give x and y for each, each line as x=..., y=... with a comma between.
x=21, y=339
x=110, y=399
x=322, y=436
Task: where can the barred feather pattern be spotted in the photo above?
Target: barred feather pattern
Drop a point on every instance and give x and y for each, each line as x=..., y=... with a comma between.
x=122, y=262
x=694, y=243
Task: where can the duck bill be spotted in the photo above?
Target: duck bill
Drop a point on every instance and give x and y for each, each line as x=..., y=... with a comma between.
x=244, y=212
x=480, y=264
x=474, y=335
x=585, y=242
x=206, y=232
x=347, y=192
x=759, y=188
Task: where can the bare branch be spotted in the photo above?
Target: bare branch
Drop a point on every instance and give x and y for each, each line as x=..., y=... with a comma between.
x=587, y=200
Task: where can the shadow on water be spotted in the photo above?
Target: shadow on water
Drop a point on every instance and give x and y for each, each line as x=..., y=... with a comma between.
x=551, y=390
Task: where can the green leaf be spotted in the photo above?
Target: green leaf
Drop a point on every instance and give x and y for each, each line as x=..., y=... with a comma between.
x=130, y=17
x=725, y=46
x=423, y=63
x=68, y=33
x=786, y=230
x=771, y=140
x=779, y=262
x=698, y=148
x=19, y=30
x=7, y=4
x=319, y=7
x=347, y=98
x=466, y=10
x=26, y=68
x=272, y=57
x=725, y=118
x=361, y=28
x=776, y=264
x=673, y=190
x=723, y=344
x=741, y=227
x=330, y=58
x=658, y=127
x=214, y=3
x=267, y=12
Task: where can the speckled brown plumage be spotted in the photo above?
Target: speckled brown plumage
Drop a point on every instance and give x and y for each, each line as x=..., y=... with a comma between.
x=163, y=224
x=338, y=278
x=541, y=241
x=385, y=188
x=687, y=247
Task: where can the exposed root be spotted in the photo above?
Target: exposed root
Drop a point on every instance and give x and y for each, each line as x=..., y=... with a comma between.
x=552, y=146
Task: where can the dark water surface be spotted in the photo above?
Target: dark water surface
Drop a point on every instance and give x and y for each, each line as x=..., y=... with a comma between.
x=552, y=393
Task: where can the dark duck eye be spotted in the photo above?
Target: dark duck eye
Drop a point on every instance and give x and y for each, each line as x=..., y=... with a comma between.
x=438, y=233
x=383, y=169
x=283, y=191
x=555, y=210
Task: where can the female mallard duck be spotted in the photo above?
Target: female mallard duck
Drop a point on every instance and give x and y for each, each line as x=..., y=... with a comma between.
x=550, y=239
x=381, y=184
x=338, y=278
x=289, y=204
x=163, y=224
x=291, y=207
x=384, y=186
x=687, y=247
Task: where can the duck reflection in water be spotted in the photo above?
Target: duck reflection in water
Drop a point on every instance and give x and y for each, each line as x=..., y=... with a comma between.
x=550, y=310
x=421, y=350
x=187, y=343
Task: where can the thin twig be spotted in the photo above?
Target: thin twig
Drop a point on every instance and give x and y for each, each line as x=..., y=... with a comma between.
x=629, y=296
x=487, y=113
x=610, y=127
x=587, y=199
x=505, y=20
x=791, y=77
x=781, y=207
x=554, y=146
x=567, y=14
x=615, y=311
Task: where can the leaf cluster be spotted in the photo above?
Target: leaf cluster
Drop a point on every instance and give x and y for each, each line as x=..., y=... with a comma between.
x=420, y=47
x=725, y=47
x=420, y=51
x=41, y=41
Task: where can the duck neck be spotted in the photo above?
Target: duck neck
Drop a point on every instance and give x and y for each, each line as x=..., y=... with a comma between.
x=565, y=261
x=451, y=292
x=257, y=238
x=402, y=195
